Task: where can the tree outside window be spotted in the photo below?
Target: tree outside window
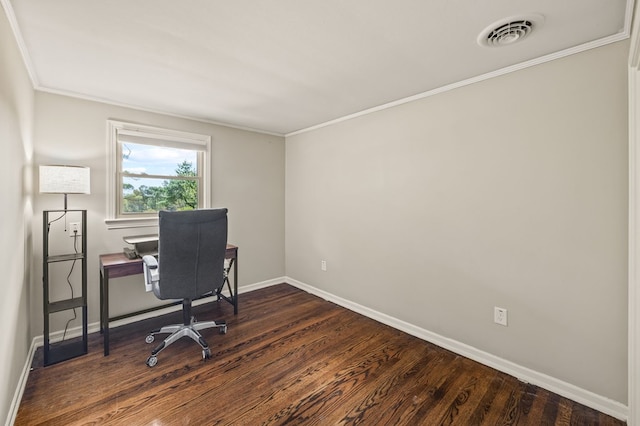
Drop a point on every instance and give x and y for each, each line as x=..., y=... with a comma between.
x=158, y=178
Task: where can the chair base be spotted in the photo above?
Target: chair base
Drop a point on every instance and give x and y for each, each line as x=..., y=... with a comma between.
x=178, y=331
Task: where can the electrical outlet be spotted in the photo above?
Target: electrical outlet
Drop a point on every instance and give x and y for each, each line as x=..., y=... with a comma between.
x=74, y=229
x=500, y=316
x=323, y=265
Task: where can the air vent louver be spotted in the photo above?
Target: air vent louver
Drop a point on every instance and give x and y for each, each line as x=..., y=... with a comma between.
x=509, y=31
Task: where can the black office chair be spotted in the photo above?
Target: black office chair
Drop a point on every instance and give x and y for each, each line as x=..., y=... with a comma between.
x=191, y=251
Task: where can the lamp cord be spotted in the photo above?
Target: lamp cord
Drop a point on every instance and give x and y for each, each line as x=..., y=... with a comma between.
x=64, y=214
x=75, y=248
x=73, y=264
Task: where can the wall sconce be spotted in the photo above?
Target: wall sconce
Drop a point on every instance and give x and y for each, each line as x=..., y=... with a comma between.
x=65, y=180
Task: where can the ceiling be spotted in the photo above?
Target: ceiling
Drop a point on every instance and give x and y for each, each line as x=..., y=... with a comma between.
x=281, y=66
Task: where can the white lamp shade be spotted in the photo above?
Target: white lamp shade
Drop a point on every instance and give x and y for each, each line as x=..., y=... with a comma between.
x=65, y=180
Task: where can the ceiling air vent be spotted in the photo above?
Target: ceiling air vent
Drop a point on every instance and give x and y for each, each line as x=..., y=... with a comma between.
x=509, y=31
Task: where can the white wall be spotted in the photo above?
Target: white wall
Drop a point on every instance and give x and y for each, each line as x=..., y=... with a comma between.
x=511, y=192
x=16, y=125
x=247, y=176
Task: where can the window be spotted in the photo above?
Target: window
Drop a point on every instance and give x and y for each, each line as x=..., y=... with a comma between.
x=153, y=169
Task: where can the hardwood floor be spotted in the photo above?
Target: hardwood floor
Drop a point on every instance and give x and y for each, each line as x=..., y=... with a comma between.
x=288, y=357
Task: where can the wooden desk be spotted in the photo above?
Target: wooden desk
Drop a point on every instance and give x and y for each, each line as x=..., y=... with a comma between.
x=116, y=265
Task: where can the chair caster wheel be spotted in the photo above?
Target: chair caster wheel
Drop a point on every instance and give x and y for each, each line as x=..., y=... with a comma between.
x=223, y=330
x=206, y=354
x=152, y=360
x=150, y=338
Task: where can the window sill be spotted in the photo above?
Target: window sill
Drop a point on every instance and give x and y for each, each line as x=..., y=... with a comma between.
x=131, y=223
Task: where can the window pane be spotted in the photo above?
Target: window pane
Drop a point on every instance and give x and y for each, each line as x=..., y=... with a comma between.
x=149, y=195
x=154, y=169
x=157, y=160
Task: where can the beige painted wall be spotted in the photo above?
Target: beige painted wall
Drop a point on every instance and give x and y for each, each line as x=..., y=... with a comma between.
x=247, y=176
x=511, y=192
x=16, y=125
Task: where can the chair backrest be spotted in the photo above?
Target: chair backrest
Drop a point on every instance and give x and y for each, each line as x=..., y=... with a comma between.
x=191, y=251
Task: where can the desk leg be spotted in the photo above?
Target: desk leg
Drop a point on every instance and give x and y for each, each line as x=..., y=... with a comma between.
x=104, y=310
x=235, y=285
x=101, y=303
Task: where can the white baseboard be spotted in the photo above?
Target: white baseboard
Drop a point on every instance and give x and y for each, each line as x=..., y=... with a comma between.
x=95, y=326
x=582, y=396
x=22, y=383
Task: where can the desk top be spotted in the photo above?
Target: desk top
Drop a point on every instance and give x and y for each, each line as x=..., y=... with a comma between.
x=122, y=265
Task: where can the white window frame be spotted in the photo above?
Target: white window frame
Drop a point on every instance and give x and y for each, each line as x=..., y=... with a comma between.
x=144, y=132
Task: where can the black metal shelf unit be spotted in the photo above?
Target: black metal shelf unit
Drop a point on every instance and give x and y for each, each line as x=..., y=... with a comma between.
x=66, y=349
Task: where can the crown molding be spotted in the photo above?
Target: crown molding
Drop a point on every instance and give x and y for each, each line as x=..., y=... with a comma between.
x=512, y=68
x=26, y=59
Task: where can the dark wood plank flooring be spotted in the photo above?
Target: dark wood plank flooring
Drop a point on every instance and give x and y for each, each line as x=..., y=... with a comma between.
x=288, y=358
